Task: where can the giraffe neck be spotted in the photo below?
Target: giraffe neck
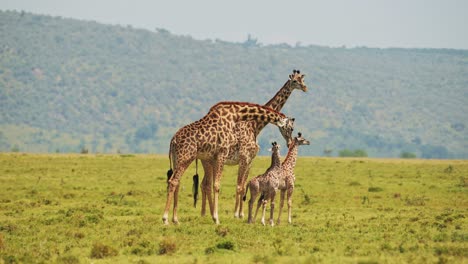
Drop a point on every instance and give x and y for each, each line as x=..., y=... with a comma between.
x=290, y=160
x=275, y=159
x=276, y=103
x=280, y=98
x=239, y=111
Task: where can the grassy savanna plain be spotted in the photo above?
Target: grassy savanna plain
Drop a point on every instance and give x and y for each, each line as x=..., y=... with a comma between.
x=72, y=208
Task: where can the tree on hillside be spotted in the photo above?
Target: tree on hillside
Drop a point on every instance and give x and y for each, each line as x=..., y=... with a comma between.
x=407, y=155
x=327, y=152
x=250, y=42
x=352, y=153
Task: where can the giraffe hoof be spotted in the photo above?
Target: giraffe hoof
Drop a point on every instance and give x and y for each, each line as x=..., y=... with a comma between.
x=165, y=221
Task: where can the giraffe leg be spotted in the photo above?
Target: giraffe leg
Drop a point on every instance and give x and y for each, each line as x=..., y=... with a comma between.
x=264, y=203
x=172, y=192
x=204, y=193
x=259, y=203
x=175, y=220
x=243, y=173
x=290, y=192
x=218, y=170
x=206, y=186
x=239, y=195
x=173, y=183
x=170, y=195
x=272, y=208
x=253, y=195
x=283, y=192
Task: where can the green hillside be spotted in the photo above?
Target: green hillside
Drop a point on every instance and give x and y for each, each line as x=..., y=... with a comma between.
x=68, y=85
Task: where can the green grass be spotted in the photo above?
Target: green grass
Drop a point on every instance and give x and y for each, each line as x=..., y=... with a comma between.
x=108, y=208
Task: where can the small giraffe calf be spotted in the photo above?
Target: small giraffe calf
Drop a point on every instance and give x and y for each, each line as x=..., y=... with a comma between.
x=267, y=184
x=287, y=181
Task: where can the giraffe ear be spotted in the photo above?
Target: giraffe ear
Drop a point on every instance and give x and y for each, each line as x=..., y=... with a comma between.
x=290, y=76
x=302, y=76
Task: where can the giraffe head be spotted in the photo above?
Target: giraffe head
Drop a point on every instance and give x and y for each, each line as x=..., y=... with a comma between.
x=296, y=80
x=287, y=129
x=299, y=140
x=274, y=147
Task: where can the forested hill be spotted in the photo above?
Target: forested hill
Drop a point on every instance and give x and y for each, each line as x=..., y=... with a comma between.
x=68, y=85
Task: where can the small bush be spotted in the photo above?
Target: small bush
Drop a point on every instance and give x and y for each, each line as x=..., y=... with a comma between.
x=222, y=231
x=84, y=150
x=100, y=251
x=229, y=245
x=262, y=259
x=416, y=201
x=463, y=182
x=10, y=259
x=79, y=235
x=68, y=260
x=279, y=247
x=375, y=189
x=354, y=183
x=167, y=246
x=209, y=250
x=306, y=199
x=141, y=251
x=449, y=169
x=69, y=196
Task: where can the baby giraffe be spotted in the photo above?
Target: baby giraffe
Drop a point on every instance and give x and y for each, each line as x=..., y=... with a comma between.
x=267, y=184
x=286, y=183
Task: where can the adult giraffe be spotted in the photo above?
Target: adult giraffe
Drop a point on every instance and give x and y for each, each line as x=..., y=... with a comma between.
x=244, y=149
x=209, y=139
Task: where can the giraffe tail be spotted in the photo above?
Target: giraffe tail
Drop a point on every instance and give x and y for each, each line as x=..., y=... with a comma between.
x=245, y=194
x=170, y=171
x=262, y=196
x=169, y=175
x=195, y=185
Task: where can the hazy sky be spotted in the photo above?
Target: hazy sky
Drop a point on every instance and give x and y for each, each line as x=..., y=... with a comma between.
x=371, y=23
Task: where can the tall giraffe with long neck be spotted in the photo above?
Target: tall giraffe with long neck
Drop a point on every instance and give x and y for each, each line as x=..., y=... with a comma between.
x=245, y=147
x=286, y=183
x=209, y=139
